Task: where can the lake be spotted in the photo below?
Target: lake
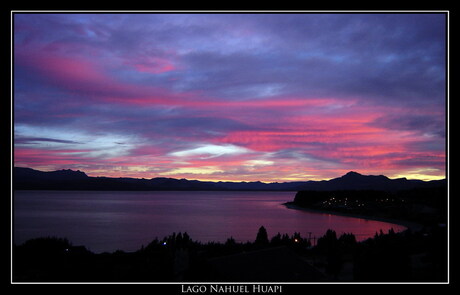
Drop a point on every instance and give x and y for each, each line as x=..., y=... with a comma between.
x=106, y=221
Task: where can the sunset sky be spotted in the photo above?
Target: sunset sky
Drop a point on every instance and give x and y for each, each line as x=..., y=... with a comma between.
x=241, y=97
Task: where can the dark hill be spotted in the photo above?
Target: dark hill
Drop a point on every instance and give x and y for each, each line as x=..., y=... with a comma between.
x=26, y=178
x=355, y=181
x=53, y=175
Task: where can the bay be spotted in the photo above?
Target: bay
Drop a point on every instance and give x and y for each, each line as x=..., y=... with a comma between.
x=106, y=221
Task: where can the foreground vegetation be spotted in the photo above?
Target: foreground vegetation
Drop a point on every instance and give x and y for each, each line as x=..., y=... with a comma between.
x=388, y=257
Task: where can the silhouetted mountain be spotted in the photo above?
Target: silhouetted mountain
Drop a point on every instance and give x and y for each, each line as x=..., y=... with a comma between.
x=27, y=178
x=355, y=181
x=53, y=175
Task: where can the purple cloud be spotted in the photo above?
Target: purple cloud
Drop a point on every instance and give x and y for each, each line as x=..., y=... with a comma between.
x=332, y=92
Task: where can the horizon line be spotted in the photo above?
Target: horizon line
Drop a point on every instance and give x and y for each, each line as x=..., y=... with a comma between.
x=235, y=181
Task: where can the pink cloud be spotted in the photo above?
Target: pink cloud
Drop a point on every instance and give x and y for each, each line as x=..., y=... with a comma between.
x=61, y=69
x=50, y=158
x=153, y=65
x=86, y=74
x=323, y=128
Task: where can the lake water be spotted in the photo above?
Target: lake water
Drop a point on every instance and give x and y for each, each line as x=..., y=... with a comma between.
x=109, y=221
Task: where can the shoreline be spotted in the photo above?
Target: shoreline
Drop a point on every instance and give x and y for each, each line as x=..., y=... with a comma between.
x=413, y=226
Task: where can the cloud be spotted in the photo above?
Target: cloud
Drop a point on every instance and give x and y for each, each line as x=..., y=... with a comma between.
x=429, y=124
x=321, y=93
x=33, y=140
x=211, y=151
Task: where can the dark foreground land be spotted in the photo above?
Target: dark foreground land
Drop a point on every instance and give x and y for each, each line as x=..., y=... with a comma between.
x=415, y=255
x=388, y=257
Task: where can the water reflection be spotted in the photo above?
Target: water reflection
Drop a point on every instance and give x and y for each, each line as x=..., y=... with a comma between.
x=108, y=221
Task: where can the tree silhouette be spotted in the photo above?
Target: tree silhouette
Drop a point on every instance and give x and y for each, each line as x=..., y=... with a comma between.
x=262, y=236
x=276, y=240
x=230, y=242
x=328, y=242
x=347, y=243
x=329, y=245
x=285, y=239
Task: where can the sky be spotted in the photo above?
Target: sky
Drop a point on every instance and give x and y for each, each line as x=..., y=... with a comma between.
x=269, y=97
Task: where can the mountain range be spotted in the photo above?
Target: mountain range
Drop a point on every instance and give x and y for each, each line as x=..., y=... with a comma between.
x=30, y=179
